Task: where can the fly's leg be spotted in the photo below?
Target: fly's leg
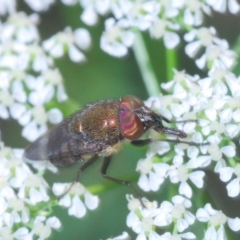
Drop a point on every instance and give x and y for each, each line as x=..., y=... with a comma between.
x=144, y=142
x=80, y=170
x=104, y=168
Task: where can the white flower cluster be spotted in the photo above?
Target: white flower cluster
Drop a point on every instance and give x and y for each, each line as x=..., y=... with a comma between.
x=214, y=102
x=20, y=190
x=145, y=220
x=161, y=18
x=28, y=78
x=24, y=196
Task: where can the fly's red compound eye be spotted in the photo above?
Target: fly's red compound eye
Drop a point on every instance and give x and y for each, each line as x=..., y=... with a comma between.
x=131, y=125
x=132, y=102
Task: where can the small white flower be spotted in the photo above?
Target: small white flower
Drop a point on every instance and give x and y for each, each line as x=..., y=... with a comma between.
x=70, y=41
x=233, y=187
x=21, y=28
x=117, y=38
x=216, y=221
x=181, y=173
x=72, y=199
x=20, y=233
x=33, y=190
x=19, y=212
x=222, y=5
x=152, y=174
x=141, y=14
x=177, y=211
x=92, y=8
x=7, y=7
x=42, y=226
x=140, y=219
x=193, y=13
x=217, y=51
x=166, y=30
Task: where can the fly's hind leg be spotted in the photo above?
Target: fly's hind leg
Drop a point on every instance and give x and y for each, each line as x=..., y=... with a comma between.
x=104, y=168
x=80, y=170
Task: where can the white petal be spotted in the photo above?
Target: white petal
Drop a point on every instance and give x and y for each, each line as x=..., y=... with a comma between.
x=89, y=16
x=192, y=48
x=82, y=38
x=143, y=183
x=59, y=188
x=232, y=130
x=21, y=233
x=233, y=6
x=55, y=116
x=233, y=188
x=188, y=235
x=57, y=50
x=153, y=236
x=132, y=220
x=171, y=40
x=53, y=222
x=77, y=208
x=155, y=181
x=234, y=224
x=91, y=201
x=76, y=55
x=204, y=161
x=3, y=205
x=185, y=189
x=202, y=215
x=211, y=233
x=226, y=173
x=229, y=151
x=65, y=201
x=189, y=217
x=197, y=178
x=182, y=224
x=211, y=114
x=127, y=38
x=35, y=196
x=16, y=110
x=141, y=236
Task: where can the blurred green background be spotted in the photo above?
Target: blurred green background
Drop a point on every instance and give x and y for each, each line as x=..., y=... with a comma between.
x=102, y=77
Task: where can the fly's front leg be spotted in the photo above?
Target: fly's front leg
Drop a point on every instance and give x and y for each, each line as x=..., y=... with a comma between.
x=104, y=168
x=144, y=142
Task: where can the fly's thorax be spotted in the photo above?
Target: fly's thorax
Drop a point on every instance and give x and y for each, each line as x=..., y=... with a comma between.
x=100, y=122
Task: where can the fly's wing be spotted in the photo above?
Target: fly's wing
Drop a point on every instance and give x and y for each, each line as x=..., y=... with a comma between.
x=63, y=145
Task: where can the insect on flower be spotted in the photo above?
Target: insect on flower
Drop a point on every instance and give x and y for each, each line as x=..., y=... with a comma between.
x=99, y=130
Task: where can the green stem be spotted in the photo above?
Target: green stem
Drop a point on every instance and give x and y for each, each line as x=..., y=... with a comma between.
x=171, y=60
x=145, y=66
